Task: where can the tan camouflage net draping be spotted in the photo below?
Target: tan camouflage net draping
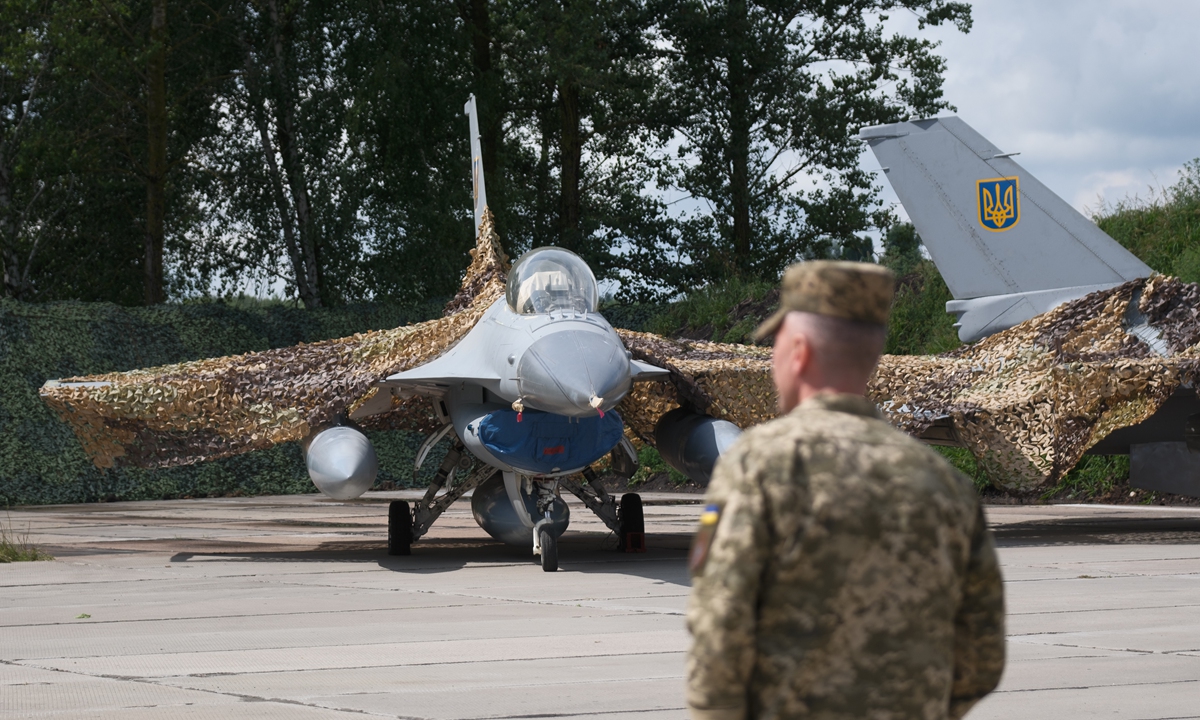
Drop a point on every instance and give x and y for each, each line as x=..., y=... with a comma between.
x=731, y=382
x=1029, y=401
x=207, y=409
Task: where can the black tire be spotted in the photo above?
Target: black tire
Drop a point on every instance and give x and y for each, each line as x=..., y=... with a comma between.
x=549, y=551
x=633, y=523
x=399, y=528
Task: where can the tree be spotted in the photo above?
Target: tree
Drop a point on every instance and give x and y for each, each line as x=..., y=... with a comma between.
x=130, y=92
x=342, y=165
x=901, y=249
x=25, y=56
x=768, y=97
x=587, y=103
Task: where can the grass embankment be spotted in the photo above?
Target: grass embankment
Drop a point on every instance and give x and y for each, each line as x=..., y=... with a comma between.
x=1163, y=230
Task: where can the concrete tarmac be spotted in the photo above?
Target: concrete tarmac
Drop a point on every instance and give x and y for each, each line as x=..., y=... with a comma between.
x=289, y=607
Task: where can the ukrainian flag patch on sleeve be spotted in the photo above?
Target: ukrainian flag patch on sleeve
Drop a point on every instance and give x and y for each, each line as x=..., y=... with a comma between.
x=698, y=555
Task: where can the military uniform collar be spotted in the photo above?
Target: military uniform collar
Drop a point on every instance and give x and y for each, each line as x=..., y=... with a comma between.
x=842, y=402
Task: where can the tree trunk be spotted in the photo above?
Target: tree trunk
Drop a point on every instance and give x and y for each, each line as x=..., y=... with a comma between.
x=293, y=164
x=8, y=233
x=739, y=137
x=156, y=166
x=570, y=158
x=307, y=293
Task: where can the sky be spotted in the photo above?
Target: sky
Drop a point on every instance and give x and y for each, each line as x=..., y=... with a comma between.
x=1100, y=97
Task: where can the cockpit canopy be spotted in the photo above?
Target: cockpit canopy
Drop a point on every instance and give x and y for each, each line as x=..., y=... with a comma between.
x=550, y=279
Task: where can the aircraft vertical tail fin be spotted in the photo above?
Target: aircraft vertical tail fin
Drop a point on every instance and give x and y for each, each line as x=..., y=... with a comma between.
x=1007, y=246
x=478, y=191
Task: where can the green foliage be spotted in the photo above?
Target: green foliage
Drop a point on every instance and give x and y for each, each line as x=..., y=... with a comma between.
x=901, y=249
x=15, y=546
x=319, y=148
x=1093, y=477
x=41, y=460
x=919, y=324
x=1163, y=231
x=631, y=316
x=650, y=463
x=766, y=102
x=723, y=312
x=964, y=462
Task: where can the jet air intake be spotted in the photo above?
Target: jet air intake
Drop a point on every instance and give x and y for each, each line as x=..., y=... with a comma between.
x=576, y=373
x=341, y=462
x=691, y=442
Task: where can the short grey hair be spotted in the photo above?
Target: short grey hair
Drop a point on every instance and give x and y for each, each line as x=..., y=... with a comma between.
x=843, y=348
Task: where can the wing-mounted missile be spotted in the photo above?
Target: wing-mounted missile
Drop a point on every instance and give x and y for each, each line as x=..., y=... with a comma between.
x=341, y=462
x=692, y=443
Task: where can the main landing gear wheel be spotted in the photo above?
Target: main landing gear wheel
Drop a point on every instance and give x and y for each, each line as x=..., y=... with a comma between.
x=633, y=524
x=399, y=528
x=549, y=551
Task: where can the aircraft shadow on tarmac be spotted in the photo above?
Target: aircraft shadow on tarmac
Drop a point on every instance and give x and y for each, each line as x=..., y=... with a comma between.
x=1100, y=531
x=665, y=559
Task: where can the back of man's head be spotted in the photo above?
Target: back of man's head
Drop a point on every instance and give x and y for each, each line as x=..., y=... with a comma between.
x=830, y=328
x=844, y=352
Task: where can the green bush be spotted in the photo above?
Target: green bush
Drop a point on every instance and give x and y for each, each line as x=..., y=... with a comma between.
x=650, y=463
x=713, y=312
x=631, y=316
x=1163, y=231
x=41, y=461
x=920, y=324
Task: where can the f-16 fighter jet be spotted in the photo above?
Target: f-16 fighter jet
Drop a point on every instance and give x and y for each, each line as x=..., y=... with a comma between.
x=523, y=375
x=532, y=386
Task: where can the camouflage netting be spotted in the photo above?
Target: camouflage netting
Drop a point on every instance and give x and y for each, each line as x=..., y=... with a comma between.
x=731, y=382
x=207, y=409
x=1028, y=402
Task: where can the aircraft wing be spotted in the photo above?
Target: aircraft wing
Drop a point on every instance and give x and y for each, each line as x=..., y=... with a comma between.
x=1029, y=401
x=207, y=409
x=729, y=382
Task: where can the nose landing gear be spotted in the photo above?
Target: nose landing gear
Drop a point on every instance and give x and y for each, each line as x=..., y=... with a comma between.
x=546, y=547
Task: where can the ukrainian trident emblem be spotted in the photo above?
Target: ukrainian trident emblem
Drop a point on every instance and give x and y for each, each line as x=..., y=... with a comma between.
x=999, y=203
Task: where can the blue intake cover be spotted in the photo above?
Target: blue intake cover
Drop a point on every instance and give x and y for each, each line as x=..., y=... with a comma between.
x=543, y=443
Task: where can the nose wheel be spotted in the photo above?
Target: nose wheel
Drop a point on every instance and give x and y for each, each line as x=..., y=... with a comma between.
x=549, y=551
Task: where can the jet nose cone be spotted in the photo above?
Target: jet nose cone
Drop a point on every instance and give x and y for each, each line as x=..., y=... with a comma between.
x=574, y=373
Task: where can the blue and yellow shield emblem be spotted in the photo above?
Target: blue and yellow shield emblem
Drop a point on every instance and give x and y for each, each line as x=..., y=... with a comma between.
x=999, y=203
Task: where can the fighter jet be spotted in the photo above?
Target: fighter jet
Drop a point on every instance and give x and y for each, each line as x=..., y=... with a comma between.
x=523, y=376
x=1080, y=346
x=532, y=388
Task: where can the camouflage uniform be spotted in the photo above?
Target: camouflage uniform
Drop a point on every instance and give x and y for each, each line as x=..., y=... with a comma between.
x=851, y=575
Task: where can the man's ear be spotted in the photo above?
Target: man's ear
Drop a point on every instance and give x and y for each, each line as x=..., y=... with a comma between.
x=802, y=354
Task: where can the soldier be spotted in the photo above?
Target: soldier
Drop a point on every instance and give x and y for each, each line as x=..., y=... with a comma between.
x=842, y=569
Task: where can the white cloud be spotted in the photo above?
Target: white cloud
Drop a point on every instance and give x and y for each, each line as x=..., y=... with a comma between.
x=1100, y=97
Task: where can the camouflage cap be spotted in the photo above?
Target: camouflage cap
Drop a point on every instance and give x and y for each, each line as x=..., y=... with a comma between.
x=848, y=290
